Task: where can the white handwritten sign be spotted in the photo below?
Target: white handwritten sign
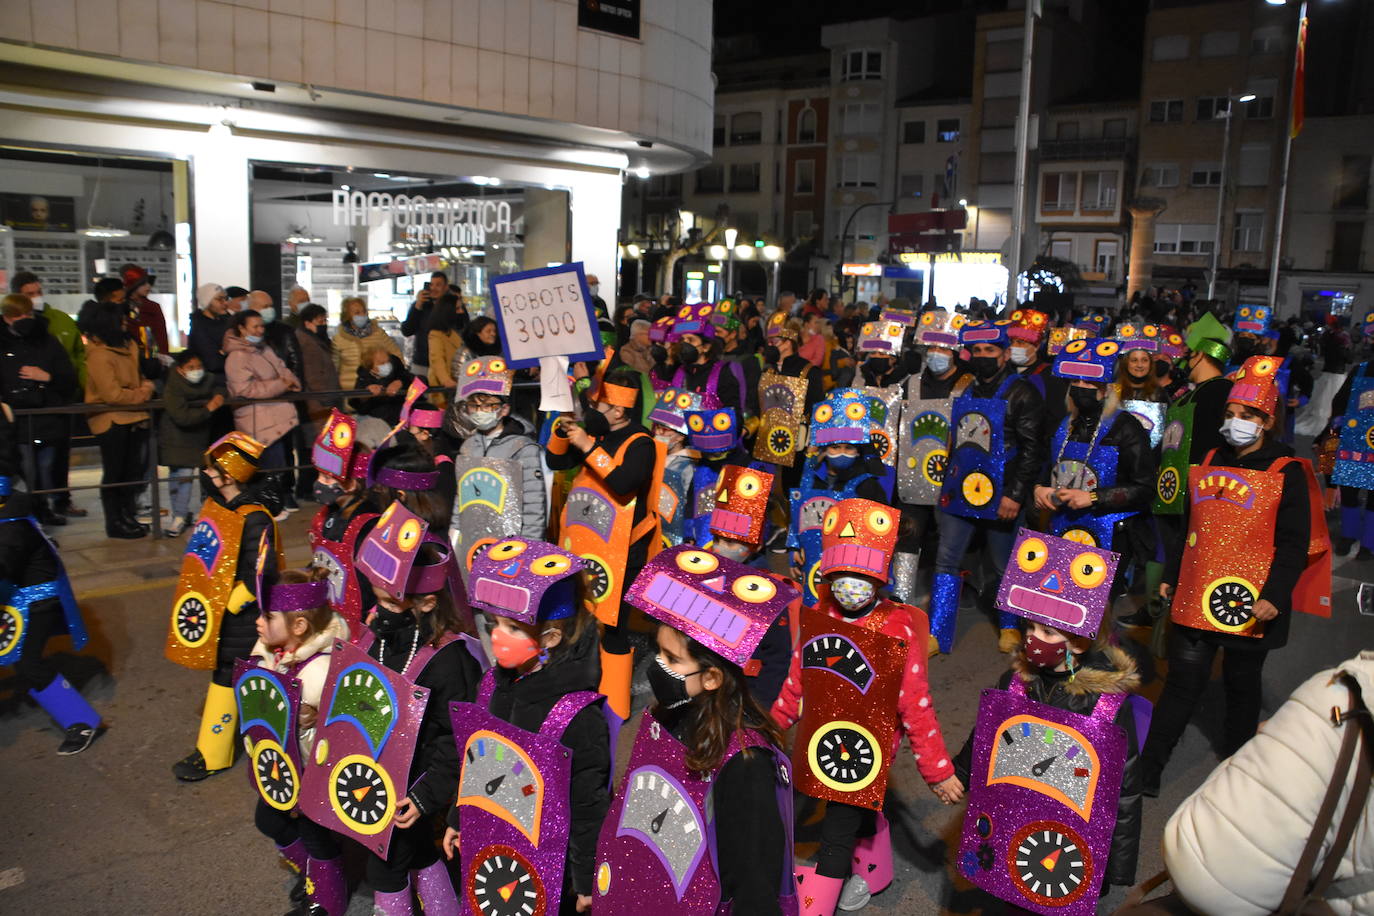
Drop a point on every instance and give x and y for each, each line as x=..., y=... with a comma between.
x=545, y=312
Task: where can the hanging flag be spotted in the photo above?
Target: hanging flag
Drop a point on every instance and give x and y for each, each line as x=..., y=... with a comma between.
x=1299, y=81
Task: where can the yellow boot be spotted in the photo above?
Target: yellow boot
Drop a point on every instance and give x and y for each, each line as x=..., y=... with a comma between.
x=616, y=671
x=932, y=647
x=218, y=736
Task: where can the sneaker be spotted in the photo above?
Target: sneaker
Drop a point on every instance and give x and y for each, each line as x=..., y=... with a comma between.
x=855, y=895
x=1141, y=618
x=291, y=504
x=77, y=739
x=282, y=516
x=49, y=519
x=144, y=517
x=191, y=768
x=777, y=541
x=175, y=528
x=1008, y=640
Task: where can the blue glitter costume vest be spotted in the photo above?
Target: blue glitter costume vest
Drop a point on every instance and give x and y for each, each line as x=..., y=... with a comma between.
x=15, y=603
x=979, y=454
x=1087, y=466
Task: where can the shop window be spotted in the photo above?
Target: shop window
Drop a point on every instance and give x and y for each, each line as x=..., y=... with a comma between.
x=912, y=185
x=859, y=171
x=711, y=179
x=1249, y=234
x=1219, y=44
x=804, y=181
x=1353, y=192
x=1099, y=190
x=1114, y=129
x=1205, y=175
x=744, y=176
x=1347, y=239
x=1212, y=107
x=1166, y=111
x=859, y=118
x=914, y=132
x=1159, y=175
x=1169, y=47
x=746, y=128
x=1253, y=171
x=861, y=65
x=1057, y=192
x=806, y=126
x=947, y=130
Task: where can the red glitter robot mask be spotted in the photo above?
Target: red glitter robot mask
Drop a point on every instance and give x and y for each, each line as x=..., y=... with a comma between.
x=333, y=451
x=741, y=504
x=858, y=536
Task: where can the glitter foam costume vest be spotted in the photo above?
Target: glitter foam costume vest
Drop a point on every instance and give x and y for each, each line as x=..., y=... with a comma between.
x=1087, y=466
x=15, y=603
x=345, y=593
x=979, y=454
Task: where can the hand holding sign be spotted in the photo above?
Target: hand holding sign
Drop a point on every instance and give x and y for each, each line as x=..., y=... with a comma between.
x=543, y=313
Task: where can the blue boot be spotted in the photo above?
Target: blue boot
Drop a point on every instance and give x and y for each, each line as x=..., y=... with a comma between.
x=71, y=712
x=944, y=608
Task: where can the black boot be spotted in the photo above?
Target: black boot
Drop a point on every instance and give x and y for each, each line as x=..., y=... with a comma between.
x=115, y=524
x=128, y=497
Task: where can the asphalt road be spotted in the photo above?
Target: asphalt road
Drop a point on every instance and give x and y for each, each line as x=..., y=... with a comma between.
x=110, y=831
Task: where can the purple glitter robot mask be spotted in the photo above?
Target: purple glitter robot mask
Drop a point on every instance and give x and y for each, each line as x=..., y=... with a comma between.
x=360, y=767
x=1058, y=582
x=388, y=553
x=672, y=407
x=1042, y=801
x=712, y=430
x=268, y=704
x=724, y=605
x=335, y=445
x=513, y=801
x=525, y=580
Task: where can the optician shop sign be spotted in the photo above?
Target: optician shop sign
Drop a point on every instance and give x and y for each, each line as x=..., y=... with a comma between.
x=442, y=221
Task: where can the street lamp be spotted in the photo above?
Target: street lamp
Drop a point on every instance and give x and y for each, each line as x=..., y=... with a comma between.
x=774, y=254
x=1299, y=52
x=1221, y=191
x=730, y=236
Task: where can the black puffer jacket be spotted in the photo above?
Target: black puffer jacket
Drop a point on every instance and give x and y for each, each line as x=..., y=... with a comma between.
x=1024, y=430
x=1109, y=670
x=1135, y=462
x=37, y=348
x=526, y=702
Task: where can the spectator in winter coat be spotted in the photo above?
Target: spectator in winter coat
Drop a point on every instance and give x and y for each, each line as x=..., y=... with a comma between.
x=417, y=323
x=35, y=373
x=445, y=340
x=386, y=379
x=208, y=327
x=357, y=334
x=255, y=371
x=190, y=397
x=635, y=353
x=317, y=364
x=138, y=283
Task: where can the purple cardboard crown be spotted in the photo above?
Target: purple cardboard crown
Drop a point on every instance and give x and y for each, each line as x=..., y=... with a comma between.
x=526, y=580
x=724, y=605
x=1058, y=582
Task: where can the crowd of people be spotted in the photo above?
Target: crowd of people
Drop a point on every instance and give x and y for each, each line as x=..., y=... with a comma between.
x=760, y=498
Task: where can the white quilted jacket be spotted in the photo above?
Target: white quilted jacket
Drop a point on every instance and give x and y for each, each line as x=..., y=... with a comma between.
x=1232, y=845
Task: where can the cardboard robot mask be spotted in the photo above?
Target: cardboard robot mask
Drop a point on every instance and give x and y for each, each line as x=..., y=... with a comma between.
x=1138, y=337
x=1087, y=360
x=741, y=504
x=843, y=418
x=1058, y=582
x=487, y=375
x=713, y=430
x=858, y=536
x=940, y=328
x=387, y=555
x=881, y=338
x=525, y=580
x=336, y=444
x=671, y=407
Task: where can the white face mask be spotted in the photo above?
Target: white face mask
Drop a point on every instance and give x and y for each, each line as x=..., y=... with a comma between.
x=384, y=370
x=195, y=376
x=1020, y=356
x=1240, y=432
x=268, y=314
x=37, y=303
x=594, y=288
x=484, y=420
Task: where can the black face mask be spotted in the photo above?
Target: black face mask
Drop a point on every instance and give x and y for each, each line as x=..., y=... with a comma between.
x=595, y=423
x=669, y=687
x=658, y=353
x=326, y=494
x=771, y=354
x=388, y=624
x=24, y=327
x=985, y=367
x=687, y=354
x=1244, y=349
x=1085, y=401
x=322, y=332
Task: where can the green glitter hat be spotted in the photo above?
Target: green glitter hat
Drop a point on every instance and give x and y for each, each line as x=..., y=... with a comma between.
x=1210, y=337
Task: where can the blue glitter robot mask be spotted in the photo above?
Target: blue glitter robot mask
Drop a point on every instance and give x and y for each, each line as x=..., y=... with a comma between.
x=1087, y=360
x=712, y=430
x=845, y=417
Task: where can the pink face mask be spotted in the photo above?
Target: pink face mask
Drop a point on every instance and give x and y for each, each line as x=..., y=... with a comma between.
x=1045, y=654
x=512, y=649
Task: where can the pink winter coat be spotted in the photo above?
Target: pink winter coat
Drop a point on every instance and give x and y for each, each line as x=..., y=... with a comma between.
x=257, y=372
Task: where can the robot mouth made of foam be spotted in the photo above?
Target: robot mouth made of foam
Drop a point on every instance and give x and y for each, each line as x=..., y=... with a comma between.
x=732, y=524
x=514, y=599
x=1083, y=370
x=879, y=346
x=937, y=339
x=855, y=556
x=841, y=434
x=1249, y=327
x=1048, y=607
x=713, y=441
x=715, y=617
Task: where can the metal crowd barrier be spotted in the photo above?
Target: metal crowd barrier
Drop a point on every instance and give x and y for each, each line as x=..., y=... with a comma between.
x=154, y=405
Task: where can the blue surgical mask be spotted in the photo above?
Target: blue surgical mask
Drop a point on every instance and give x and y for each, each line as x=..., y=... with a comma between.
x=268, y=314
x=359, y=321
x=938, y=362
x=841, y=462
x=253, y=339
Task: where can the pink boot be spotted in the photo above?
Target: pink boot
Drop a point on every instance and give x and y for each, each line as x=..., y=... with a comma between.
x=817, y=894
x=397, y=903
x=873, y=857
x=435, y=889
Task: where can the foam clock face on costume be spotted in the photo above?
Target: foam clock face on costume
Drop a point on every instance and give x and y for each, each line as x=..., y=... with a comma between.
x=858, y=536
x=512, y=577
x=659, y=811
x=1058, y=582
x=712, y=430
x=333, y=451
x=741, y=504
x=591, y=510
x=883, y=338
x=724, y=605
x=388, y=553
x=500, y=778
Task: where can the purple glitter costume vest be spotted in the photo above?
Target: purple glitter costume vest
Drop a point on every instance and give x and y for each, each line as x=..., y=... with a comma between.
x=269, y=707
x=1043, y=795
x=712, y=381
x=657, y=850
x=514, y=795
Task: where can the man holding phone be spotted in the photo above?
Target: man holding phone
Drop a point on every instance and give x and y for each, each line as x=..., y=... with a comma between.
x=416, y=324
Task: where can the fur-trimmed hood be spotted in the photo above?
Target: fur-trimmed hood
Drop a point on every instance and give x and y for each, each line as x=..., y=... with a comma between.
x=1106, y=670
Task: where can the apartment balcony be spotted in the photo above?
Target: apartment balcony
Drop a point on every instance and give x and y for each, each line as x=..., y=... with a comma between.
x=1085, y=150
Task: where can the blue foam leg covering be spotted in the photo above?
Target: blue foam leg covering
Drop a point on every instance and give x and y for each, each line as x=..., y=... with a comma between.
x=944, y=608
x=67, y=707
x=1367, y=532
x=1351, y=523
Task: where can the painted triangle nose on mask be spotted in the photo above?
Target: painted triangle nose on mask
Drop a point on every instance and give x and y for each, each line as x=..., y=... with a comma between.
x=1052, y=583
